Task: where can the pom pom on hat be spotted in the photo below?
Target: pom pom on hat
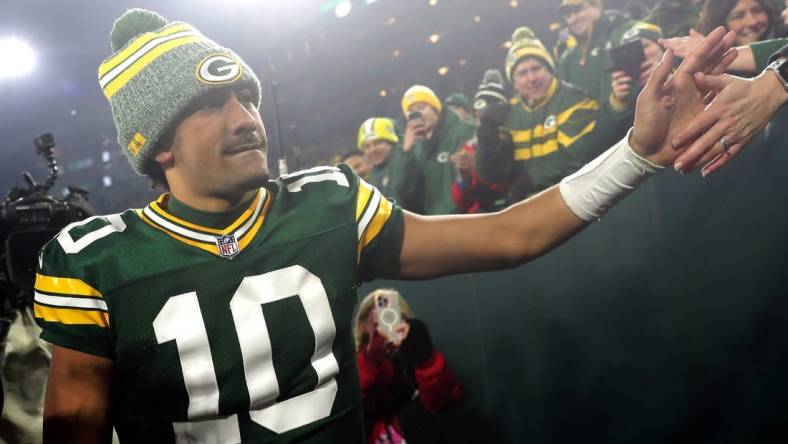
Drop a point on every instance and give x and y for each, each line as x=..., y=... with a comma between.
x=133, y=23
x=525, y=44
x=490, y=91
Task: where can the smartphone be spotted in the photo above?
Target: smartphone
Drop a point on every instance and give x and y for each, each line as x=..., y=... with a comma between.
x=413, y=115
x=628, y=58
x=388, y=315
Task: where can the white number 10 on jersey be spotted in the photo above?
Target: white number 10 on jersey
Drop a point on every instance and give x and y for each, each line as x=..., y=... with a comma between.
x=180, y=320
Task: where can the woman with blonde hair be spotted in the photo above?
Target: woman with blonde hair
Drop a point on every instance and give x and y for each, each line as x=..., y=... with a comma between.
x=404, y=379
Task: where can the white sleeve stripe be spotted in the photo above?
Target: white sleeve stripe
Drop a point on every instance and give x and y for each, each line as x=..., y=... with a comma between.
x=68, y=302
x=369, y=213
x=309, y=171
x=336, y=176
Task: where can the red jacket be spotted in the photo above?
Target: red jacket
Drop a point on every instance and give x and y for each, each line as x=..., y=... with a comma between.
x=437, y=385
x=475, y=195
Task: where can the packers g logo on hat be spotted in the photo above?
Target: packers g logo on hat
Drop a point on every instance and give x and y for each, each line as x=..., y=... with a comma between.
x=218, y=69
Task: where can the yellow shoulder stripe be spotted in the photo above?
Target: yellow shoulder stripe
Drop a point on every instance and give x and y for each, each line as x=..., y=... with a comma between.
x=72, y=316
x=362, y=197
x=378, y=221
x=61, y=285
x=373, y=210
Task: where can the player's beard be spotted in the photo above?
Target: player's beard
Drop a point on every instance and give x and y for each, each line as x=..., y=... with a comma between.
x=255, y=181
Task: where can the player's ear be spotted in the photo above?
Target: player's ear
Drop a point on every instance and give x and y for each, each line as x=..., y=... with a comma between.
x=164, y=158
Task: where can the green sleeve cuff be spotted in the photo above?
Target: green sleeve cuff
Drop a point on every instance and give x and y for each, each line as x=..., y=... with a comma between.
x=762, y=51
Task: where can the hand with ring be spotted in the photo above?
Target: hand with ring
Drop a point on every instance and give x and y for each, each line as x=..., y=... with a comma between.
x=737, y=110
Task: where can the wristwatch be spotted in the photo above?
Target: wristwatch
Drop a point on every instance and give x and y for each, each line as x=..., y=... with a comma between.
x=780, y=67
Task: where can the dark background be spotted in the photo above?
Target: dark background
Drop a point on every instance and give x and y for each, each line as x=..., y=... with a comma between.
x=662, y=323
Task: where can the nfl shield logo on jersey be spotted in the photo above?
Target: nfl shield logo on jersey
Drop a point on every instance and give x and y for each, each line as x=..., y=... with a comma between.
x=227, y=246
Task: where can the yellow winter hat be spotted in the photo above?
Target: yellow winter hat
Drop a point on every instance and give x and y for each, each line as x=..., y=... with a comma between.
x=376, y=128
x=525, y=44
x=420, y=93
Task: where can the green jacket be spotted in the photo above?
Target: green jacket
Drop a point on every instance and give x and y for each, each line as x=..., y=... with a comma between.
x=591, y=69
x=764, y=50
x=544, y=144
x=398, y=179
x=431, y=161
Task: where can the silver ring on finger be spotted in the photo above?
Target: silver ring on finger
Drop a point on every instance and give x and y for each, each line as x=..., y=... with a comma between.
x=727, y=145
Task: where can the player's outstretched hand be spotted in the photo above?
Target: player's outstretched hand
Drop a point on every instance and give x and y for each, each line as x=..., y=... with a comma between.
x=669, y=101
x=740, y=109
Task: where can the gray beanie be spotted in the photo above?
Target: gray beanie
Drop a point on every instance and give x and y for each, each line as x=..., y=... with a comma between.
x=156, y=70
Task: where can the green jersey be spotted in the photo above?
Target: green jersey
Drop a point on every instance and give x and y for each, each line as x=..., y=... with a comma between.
x=236, y=334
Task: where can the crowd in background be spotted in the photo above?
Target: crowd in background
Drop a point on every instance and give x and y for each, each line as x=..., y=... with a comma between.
x=567, y=103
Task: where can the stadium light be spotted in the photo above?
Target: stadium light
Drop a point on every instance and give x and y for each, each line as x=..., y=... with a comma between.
x=18, y=58
x=343, y=8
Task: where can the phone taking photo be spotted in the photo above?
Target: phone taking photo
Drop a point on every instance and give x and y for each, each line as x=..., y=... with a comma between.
x=628, y=58
x=414, y=115
x=388, y=315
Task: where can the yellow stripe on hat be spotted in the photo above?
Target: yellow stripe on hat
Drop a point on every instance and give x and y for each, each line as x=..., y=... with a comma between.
x=61, y=285
x=144, y=61
x=71, y=316
x=135, y=46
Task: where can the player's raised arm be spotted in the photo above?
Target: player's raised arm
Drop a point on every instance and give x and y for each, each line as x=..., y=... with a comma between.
x=77, y=407
x=436, y=246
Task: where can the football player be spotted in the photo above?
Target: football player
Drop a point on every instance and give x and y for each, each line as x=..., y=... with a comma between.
x=221, y=312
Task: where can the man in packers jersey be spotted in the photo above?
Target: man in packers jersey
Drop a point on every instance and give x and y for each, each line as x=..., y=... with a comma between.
x=221, y=312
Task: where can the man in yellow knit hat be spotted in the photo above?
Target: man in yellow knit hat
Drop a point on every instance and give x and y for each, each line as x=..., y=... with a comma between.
x=389, y=172
x=433, y=134
x=549, y=130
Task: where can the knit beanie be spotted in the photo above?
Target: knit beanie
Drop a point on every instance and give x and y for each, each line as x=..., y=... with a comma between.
x=377, y=128
x=642, y=30
x=525, y=44
x=458, y=100
x=420, y=93
x=490, y=91
x=157, y=68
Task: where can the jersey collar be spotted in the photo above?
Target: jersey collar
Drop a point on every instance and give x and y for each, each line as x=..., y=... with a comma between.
x=225, y=242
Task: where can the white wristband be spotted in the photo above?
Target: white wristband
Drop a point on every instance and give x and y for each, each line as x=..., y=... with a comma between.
x=596, y=187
